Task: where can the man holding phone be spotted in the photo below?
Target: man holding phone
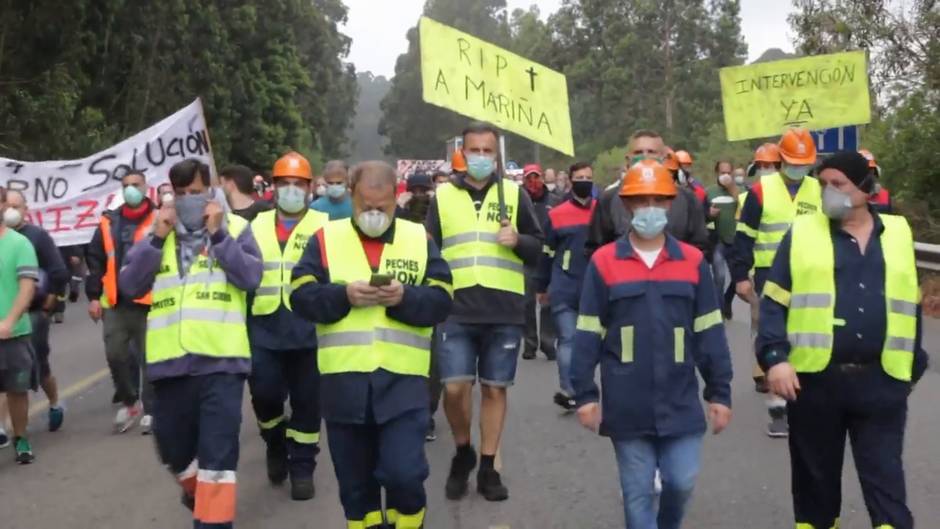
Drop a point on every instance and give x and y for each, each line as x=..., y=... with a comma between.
x=375, y=285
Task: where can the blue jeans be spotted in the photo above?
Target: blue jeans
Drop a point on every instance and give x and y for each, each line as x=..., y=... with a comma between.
x=678, y=461
x=487, y=351
x=566, y=319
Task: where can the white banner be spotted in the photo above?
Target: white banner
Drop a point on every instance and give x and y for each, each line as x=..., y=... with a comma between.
x=67, y=197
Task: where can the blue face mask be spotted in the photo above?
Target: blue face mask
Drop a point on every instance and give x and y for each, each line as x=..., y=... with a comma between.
x=480, y=166
x=796, y=172
x=132, y=196
x=336, y=190
x=649, y=222
x=291, y=199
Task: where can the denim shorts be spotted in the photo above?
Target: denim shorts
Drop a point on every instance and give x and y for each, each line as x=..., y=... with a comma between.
x=466, y=350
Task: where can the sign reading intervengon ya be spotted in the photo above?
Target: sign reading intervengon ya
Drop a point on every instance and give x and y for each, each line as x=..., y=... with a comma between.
x=67, y=197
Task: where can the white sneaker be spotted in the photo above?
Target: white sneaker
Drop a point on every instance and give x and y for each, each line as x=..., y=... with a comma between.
x=146, y=424
x=127, y=417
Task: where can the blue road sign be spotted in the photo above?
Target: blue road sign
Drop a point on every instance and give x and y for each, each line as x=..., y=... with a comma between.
x=838, y=139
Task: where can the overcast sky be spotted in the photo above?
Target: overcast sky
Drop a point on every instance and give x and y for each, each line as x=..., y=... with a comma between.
x=378, y=27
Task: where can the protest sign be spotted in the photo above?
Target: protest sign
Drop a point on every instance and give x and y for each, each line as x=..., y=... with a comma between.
x=406, y=168
x=67, y=197
x=477, y=79
x=764, y=99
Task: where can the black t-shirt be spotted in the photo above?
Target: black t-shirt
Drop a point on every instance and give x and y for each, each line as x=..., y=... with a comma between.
x=249, y=213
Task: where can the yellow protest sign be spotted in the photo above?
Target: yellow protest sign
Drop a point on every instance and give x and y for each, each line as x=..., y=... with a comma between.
x=477, y=79
x=764, y=99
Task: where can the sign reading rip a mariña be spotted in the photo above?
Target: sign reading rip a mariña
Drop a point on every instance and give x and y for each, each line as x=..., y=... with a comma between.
x=477, y=79
x=820, y=92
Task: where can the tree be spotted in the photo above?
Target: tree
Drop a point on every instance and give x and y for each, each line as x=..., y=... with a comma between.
x=414, y=128
x=367, y=144
x=78, y=76
x=903, y=43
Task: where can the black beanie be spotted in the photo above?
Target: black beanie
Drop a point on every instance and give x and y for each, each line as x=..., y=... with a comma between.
x=853, y=165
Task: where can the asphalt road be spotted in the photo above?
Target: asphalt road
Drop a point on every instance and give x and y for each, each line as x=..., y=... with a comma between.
x=559, y=475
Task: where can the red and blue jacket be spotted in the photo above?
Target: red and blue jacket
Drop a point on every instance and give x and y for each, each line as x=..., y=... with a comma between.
x=563, y=261
x=649, y=329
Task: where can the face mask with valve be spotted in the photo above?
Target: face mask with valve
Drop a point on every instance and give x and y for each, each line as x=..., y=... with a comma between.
x=373, y=223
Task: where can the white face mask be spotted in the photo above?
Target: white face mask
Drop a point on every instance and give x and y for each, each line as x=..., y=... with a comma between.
x=12, y=217
x=725, y=179
x=739, y=180
x=373, y=223
x=766, y=171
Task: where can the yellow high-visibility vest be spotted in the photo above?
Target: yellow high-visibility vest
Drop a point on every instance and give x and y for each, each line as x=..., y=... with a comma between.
x=275, y=283
x=469, y=239
x=812, y=298
x=367, y=339
x=201, y=313
x=779, y=210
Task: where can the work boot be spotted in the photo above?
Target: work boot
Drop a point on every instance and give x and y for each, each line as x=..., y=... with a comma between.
x=528, y=354
x=491, y=486
x=778, y=427
x=567, y=403
x=302, y=489
x=463, y=463
x=276, y=459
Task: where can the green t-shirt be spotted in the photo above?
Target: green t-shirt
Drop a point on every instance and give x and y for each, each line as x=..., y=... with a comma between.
x=725, y=224
x=17, y=260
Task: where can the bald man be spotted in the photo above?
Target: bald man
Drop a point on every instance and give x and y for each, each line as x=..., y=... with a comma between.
x=375, y=285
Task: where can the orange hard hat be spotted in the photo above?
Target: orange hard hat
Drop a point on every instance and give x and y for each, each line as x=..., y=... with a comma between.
x=797, y=147
x=684, y=157
x=670, y=161
x=767, y=153
x=457, y=162
x=292, y=165
x=648, y=177
x=872, y=164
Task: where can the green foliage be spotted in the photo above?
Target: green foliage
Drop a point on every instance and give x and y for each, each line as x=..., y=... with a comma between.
x=366, y=142
x=414, y=128
x=78, y=76
x=904, y=54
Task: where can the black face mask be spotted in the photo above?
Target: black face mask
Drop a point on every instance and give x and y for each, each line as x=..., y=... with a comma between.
x=582, y=188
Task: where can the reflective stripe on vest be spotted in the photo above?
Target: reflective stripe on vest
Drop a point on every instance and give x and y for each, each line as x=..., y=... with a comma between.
x=469, y=239
x=201, y=313
x=367, y=339
x=811, y=315
x=779, y=210
x=109, y=286
x=275, y=282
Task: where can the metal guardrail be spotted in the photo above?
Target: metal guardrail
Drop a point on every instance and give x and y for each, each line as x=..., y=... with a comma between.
x=927, y=255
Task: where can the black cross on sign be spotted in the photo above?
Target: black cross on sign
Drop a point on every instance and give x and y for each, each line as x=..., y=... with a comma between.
x=532, y=73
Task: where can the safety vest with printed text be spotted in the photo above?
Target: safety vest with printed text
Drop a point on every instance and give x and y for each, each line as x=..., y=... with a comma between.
x=367, y=339
x=109, y=281
x=275, y=283
x=200, y=313
x=811, y=314
x=779, y=210
x=469, y=238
